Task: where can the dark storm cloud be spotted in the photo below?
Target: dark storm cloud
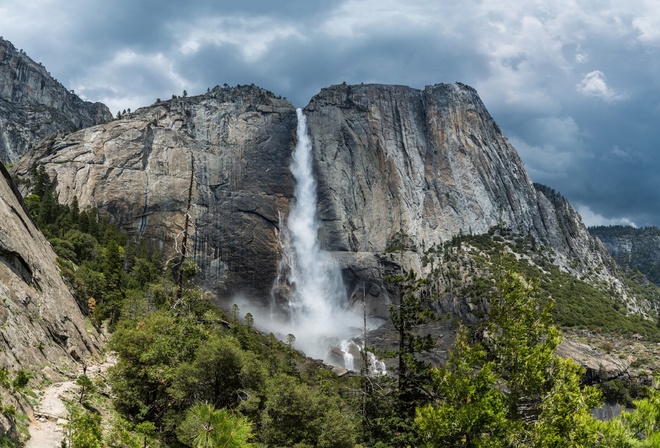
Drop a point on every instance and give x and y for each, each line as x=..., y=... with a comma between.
x=573, y=85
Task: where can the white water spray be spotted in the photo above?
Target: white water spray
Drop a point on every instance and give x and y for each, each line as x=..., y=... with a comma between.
x=308, y=298
x=349, y=363
x=318, y=304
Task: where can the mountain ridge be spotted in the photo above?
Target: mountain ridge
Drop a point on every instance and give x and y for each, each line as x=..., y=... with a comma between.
x=634, y=248
x=433, y=164
x=33, y=105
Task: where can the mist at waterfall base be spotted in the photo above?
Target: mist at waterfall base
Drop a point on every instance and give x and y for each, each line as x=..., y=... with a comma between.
x=316, y=311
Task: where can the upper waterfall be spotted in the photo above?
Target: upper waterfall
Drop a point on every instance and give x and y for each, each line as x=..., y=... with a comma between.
x=318, y=312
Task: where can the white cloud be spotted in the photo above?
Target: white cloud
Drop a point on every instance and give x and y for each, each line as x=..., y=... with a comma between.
x=543, y=162
x=581, y=55
x=617, y=151
x=360, y=18
x=595, y=84
x=630, y=156
x=648, y=28
x=30, y=25
x=581, y=58
x=128, y=67
x=591, y=218
x=647, y=21
x=252, y=36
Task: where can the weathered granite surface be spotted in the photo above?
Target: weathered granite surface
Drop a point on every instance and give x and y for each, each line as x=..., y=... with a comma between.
x=389, y=160
x=599, y=366
x=235, y=143
x=40, y=321
x=429, y=164
x=34, y=106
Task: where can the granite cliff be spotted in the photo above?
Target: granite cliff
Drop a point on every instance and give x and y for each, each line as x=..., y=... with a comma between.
x=231, y=146
x=394, y=166
x=431, y=164
x=427, y=165
x=42, y=329
x=41, y=323
x=34, y=106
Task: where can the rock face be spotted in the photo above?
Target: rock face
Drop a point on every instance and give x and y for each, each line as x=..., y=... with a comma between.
x=598, y=365
x=231, y=146
x=40, y=322
x=632, y=247
x=394, y=165
x=429, y=164
x=34, y=106
x=426, y=165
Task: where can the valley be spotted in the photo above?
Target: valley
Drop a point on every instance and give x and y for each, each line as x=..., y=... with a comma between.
x=232, y=245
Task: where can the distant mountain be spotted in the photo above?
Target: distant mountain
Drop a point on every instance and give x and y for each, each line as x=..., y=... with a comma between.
x=633, y=248
x=34, y=106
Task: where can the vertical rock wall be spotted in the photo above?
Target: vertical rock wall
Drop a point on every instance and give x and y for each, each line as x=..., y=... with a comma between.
x=236, y=144
x=396, y=167
x=40, y=322
x=34, y=106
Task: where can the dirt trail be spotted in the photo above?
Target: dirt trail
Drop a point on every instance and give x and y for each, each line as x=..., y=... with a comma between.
x=46, y=427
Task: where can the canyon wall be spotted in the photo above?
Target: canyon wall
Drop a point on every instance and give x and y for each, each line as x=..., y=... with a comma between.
x=396, y=168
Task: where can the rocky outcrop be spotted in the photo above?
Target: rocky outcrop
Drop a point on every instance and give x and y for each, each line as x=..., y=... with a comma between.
x=599, y=366
x=426, y=165
x=40, y=321
x=34, y=106
x=395, y=166
x=235, y=144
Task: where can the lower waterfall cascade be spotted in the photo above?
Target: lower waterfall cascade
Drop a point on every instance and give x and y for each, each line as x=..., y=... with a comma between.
x=317, y=311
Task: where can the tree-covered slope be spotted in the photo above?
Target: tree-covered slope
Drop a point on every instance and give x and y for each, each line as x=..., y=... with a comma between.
x=589, y=301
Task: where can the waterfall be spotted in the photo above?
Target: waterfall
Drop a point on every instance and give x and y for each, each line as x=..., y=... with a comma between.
x=319, y=289
x=349, y=363
x=376, y=366
x=317, y=302
x=308, y=298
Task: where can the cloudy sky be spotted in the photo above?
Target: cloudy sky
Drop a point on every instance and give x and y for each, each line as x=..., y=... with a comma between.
x=574, y=85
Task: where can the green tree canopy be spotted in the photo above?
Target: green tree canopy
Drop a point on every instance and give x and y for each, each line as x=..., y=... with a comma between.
x=507, y=387
x=207, y=427
x=296, y=415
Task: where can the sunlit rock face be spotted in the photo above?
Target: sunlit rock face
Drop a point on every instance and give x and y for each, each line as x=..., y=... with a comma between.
x=389, y=161
x=34, y=106
x=426, y=164
x=430, y=163
x=40, y=321
x=234, y=144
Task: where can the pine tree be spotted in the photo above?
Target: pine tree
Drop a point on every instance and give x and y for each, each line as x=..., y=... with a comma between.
x=521, y=340
x=413, y=374
x=472, y=410
x=509, y=388
x=207, y=427
x=411, y=313
x=48, y=209
x=74, y=210
x=112, y=273
x=40, y=181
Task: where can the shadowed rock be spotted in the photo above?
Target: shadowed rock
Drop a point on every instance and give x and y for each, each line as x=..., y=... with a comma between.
x=399, y=171
x=34, y=106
